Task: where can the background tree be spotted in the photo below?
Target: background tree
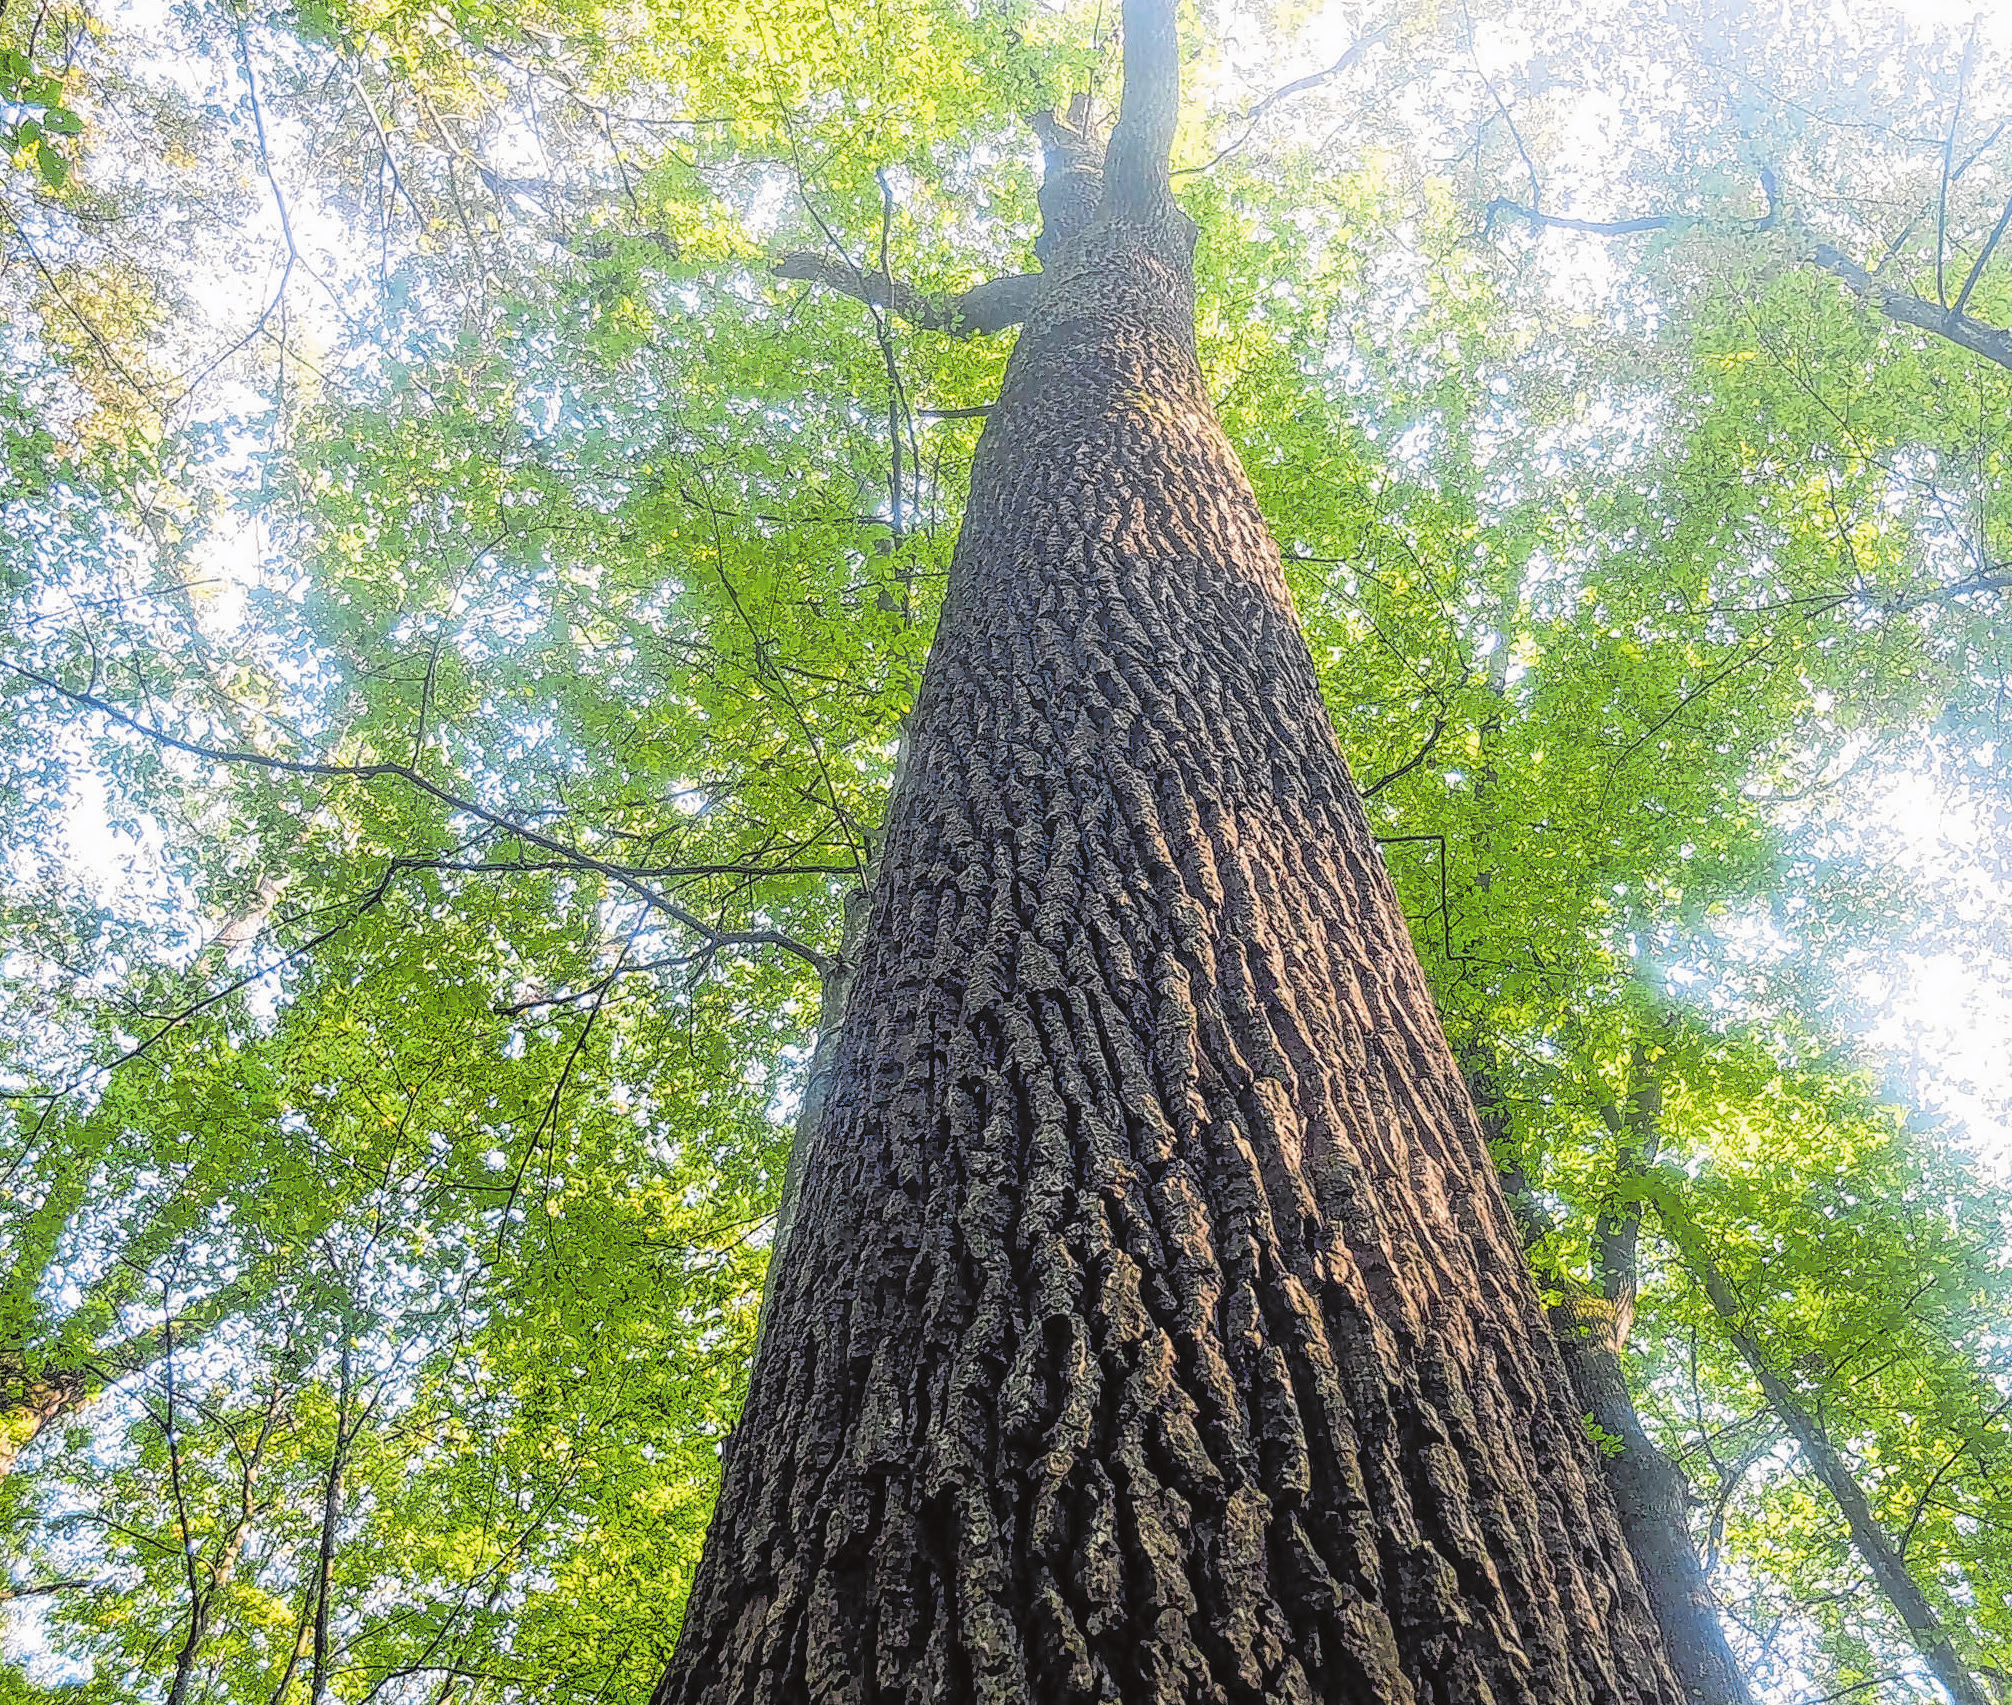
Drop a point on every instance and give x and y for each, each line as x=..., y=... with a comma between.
x=412, y=387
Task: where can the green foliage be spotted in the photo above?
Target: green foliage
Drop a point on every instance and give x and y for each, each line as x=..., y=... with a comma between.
x=37, y=117
x=461, y=613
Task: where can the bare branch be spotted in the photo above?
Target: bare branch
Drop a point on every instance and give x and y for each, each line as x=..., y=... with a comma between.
x=1952, y=323
x=511, y=827
x=1983, y=257
x=1501, y=108
x=1410, y=764
x=1590, y=227
x=983, y=309
x=1948, y=156
x=1361, y=45
x=897, y=401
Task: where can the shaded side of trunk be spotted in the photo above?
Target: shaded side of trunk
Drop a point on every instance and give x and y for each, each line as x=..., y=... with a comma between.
x=1151, y=1326
x=31, y=1404
x=1869, y=1538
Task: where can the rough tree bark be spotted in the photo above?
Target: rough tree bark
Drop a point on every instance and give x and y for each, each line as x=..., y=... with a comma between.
x=1150, y=1325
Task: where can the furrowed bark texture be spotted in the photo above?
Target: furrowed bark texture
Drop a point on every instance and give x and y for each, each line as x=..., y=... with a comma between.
x=1150, y=1325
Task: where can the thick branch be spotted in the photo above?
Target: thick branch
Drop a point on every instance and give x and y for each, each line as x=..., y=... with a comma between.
x=1562, y=222
x=1137, y=171
x=1953, y=324
x=981, y=310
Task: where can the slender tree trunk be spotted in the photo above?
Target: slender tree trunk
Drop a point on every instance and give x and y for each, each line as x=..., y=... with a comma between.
x=220, y=1571
x=1649, y=1489
x=331, y=1515
x=311, y=1633
x=1873, y=1543
x=1150, y=1325
x=1591, y=1325
x=29, y=1406
x=1653, y=1498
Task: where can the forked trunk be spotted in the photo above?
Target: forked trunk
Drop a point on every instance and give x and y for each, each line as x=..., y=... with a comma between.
x=1150, y=1326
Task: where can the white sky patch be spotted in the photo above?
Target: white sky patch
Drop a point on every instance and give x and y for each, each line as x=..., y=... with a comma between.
x=1946, y=1011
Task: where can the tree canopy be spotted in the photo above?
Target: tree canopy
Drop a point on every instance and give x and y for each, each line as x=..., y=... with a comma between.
x=467, y=569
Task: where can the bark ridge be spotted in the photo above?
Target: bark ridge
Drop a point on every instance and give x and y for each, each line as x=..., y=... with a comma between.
x=1151, y=1326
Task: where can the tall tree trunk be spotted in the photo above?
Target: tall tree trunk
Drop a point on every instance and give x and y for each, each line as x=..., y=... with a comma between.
x=1874, y=1545
x=1150, y=1325
x=1591, y=1325
x=1653, y=1498
x=331, y=1515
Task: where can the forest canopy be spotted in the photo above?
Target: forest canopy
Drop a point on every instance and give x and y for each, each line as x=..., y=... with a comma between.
x=479, y=485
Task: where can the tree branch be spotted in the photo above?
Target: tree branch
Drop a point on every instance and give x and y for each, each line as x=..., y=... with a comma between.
x=1138, y=176
x=1410, y=764
x=1562, y=222
x=1983, y=255
x=983, y=309
x=454, y=802
x=1948, y=158
x=1952, y=324
x=1361, y=45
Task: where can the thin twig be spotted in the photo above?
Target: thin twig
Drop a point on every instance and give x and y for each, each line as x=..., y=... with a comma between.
x=1356, y=49
x=1948, y=154
x=512, y=827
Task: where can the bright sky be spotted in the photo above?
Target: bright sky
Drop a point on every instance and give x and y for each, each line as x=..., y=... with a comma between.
x=1945, y=1016
x=1948, y=1012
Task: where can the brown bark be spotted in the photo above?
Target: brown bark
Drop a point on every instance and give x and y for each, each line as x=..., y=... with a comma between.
x=31, y=1404
x=1150, y=1325
x=1653, y=1499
